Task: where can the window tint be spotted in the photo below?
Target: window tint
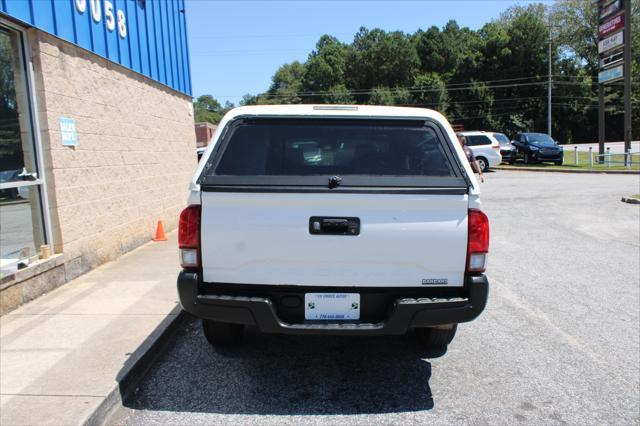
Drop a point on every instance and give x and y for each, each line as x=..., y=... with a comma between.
x=476, y=140
x=329, y=147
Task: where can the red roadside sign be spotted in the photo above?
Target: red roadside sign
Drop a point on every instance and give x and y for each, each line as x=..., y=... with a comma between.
x=611, y=26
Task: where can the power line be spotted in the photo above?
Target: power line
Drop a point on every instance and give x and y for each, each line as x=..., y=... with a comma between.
x=244, y=36
x=471, y=86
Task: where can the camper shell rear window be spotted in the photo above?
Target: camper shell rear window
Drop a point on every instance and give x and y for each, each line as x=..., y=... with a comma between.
x=310, y=152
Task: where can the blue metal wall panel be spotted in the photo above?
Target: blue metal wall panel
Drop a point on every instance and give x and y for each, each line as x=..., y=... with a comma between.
x=134, y=36
x=176, y=41
x=113, y=49
x=158, y=37
x=143, y=40
x=155, y=43
x=98, y=30
x=186, y=60
x=63, y=10
x=44, y=18
x=151, y=44
x=164, y=16
x=123, y=42
x=83, y=29
x=20, y=9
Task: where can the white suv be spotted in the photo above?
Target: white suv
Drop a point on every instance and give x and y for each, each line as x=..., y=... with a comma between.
x=485, y=148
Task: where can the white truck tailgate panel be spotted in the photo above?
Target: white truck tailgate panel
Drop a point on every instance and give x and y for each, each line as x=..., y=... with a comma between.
x=405, y=240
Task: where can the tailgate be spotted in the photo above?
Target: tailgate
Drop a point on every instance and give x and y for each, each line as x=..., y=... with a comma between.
x=405, y=240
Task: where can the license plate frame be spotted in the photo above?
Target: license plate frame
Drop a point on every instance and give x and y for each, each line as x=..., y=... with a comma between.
x=332, y=306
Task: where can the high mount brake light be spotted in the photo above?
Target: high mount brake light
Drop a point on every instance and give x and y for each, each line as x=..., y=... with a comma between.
x=478, y=242
x=189, y=237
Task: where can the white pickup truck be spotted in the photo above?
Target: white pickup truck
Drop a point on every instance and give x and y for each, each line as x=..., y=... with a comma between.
x=343, y=220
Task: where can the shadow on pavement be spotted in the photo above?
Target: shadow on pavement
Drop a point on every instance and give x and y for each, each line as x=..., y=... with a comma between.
x=284, y=375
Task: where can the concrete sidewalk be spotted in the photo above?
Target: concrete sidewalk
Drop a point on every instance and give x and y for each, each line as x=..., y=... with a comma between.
x=63, y=355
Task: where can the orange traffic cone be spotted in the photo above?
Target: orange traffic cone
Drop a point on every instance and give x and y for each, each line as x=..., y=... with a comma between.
x=160, y=236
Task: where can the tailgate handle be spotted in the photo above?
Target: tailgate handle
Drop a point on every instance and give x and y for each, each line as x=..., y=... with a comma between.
x=334, y=225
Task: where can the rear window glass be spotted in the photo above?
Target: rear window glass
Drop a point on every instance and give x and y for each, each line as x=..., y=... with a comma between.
x=333, y=148
x=502, y=138
x=475, y=140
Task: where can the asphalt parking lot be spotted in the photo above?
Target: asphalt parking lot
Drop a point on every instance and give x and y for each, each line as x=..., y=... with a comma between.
x=558, y=342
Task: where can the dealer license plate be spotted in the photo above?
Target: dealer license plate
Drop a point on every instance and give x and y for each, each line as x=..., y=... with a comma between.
x=332, y=306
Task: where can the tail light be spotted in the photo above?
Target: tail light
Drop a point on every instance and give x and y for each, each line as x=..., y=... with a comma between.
x=189, y=237
x=478, y=243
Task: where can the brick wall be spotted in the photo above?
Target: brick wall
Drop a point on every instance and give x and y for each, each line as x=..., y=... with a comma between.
x=134, y=159
x=204, y=133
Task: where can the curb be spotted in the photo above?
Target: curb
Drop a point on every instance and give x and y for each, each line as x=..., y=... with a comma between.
x=551, y=170
x=630, y=200
x=137, y=366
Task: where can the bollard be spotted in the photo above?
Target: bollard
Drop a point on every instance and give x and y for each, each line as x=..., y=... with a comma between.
x=575, y=155
x=627, y=160
x=609, y=157
x=590, y=157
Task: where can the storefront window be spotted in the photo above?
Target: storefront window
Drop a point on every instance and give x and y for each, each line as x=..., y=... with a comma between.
x=21, y=221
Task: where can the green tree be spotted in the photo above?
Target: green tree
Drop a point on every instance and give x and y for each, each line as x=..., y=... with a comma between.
x=382, y=59
x=325, y=67
x=286, y=84
x=338, y=94
x=208, y=109
x=387, y=96
x=429, y=91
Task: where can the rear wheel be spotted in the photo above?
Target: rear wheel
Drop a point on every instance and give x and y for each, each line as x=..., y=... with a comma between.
x=222, y=333
x=436, y=338
x=483, y=163
x=558, y=163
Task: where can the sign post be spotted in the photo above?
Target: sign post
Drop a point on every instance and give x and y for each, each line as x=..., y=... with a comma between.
x=614, y=50
x=627, y=80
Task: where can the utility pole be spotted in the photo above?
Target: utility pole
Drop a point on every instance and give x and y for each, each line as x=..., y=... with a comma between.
x=549, y=85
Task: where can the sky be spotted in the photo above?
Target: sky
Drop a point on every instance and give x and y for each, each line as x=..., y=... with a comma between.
x=236, y=46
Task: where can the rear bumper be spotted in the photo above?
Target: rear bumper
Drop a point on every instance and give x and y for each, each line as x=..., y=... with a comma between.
x=547, y=156
x=508, y=155
x=404, y=313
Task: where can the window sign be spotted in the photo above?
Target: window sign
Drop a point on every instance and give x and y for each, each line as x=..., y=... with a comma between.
x=68, y=131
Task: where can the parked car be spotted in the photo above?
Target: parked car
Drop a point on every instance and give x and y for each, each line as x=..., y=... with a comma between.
x=507, y=150
x=345, y=220
x=200, y=151
x=485, y=148
x=538, y=147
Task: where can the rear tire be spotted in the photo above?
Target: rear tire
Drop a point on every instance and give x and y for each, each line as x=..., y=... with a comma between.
x=436, y=339
x=221, y=333
x=484, y=164
x=558, y=163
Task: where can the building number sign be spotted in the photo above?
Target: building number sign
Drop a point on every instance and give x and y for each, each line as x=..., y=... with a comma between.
x=110, y=18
